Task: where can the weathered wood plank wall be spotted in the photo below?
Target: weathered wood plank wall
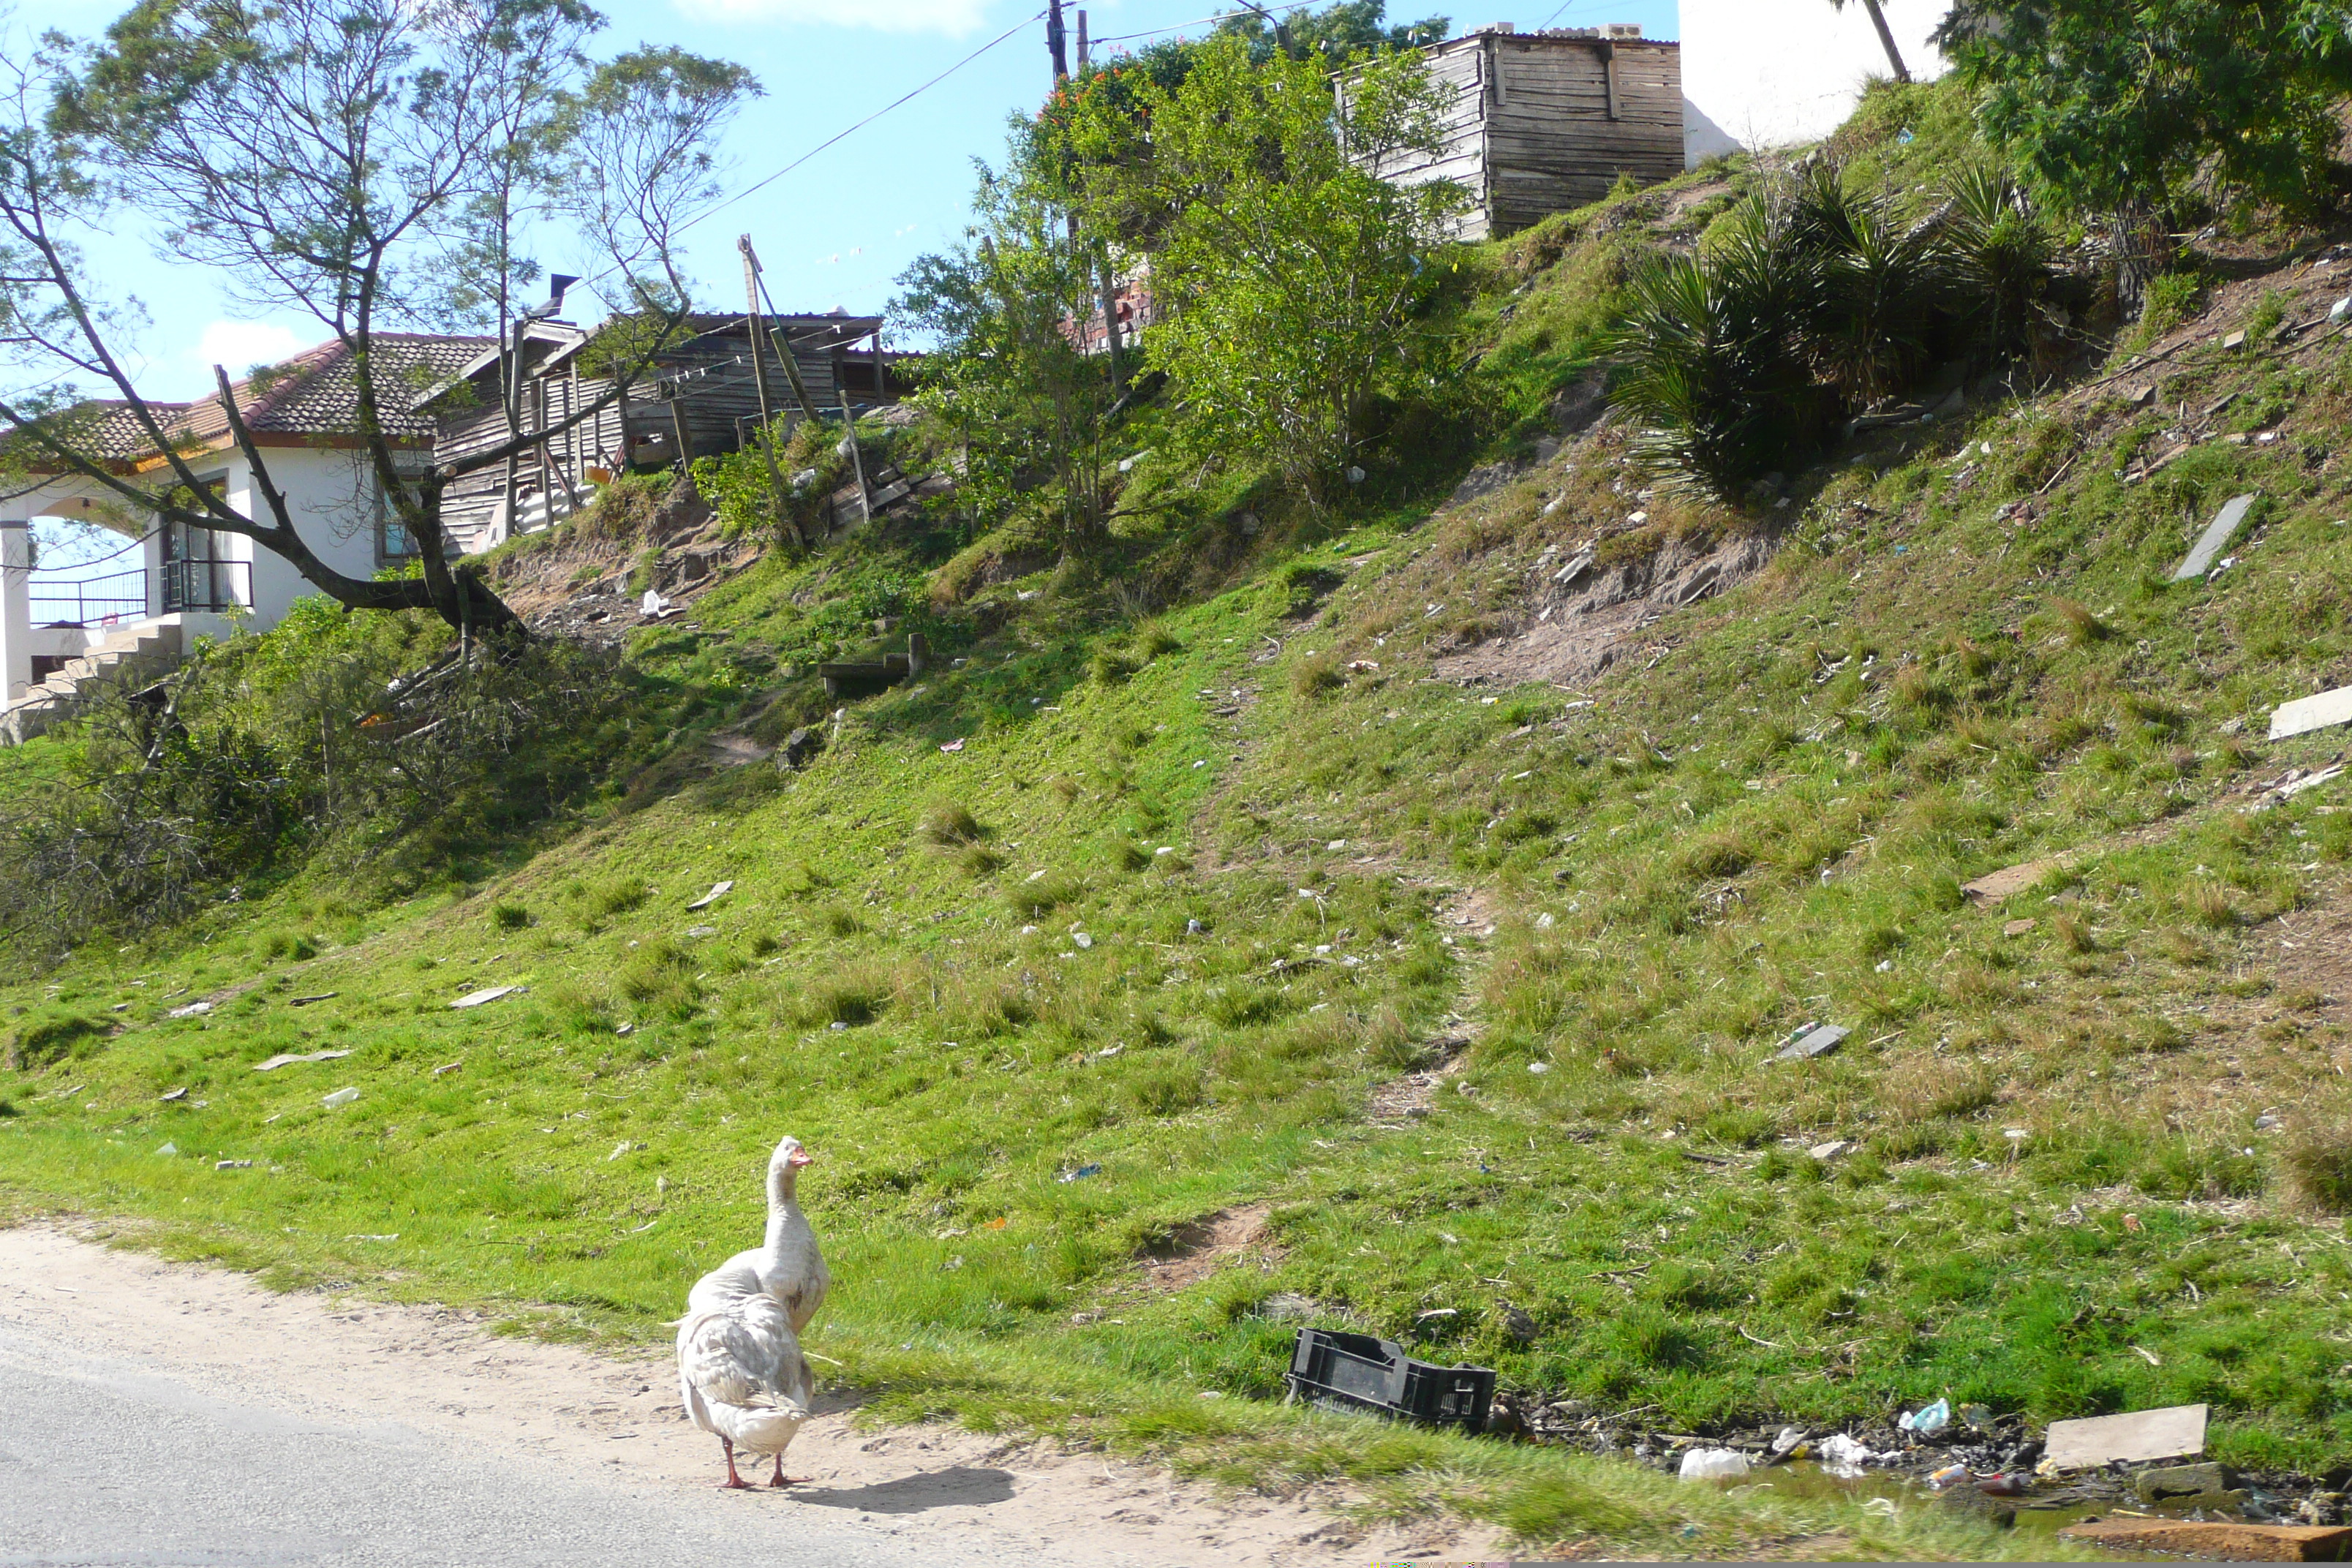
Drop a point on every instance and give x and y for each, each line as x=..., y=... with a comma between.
x=1543, y=122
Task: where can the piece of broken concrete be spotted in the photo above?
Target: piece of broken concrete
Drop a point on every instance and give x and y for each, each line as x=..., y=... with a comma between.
x=180, y=1093
x=2215, y=1539
x=191, y=1010
x=489, y=993
x=2161, y=1482
x=2306, y=713
x=718, y=891
x=1830, y=1150
x=341, y=1098
x=287, y=1058
x=2215, y=538
x=2011, y=880
x=232, y=1164
x=2174, y=1432
x=1814, y=1042
x=2019, y=928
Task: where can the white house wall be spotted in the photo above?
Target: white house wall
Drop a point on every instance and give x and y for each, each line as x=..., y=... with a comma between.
x=1776, y=73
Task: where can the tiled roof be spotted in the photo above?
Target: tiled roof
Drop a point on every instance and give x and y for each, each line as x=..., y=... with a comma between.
x=316, y=392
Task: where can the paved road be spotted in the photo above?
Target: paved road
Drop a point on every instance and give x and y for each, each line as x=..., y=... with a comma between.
x=109, y=1461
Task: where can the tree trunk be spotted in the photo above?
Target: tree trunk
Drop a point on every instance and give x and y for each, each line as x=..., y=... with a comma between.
x=1886, y=40
x=2141, y=250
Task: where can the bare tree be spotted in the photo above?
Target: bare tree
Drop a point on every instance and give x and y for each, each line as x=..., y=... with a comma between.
x=1886, y=37
x=376, y=164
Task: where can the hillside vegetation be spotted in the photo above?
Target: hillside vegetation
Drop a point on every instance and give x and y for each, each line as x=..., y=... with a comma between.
x=1363, y=914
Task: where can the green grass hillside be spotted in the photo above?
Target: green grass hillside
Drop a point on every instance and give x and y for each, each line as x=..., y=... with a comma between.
x=1161, y=969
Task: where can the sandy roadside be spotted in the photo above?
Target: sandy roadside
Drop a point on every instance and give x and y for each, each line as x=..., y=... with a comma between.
x=342, y=1358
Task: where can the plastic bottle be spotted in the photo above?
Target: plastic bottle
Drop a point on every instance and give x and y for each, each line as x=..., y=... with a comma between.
x=1713, y=1464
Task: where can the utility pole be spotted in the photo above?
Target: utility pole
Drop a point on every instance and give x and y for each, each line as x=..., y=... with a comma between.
x=1085, y=56
x=759, y=382
x=1107, y=290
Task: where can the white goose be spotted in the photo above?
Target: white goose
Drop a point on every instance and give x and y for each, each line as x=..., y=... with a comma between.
x=742, y=1376
x=740, y=1372
x=788, y=1267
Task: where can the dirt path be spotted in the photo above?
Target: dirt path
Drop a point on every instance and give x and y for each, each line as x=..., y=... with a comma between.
x=442, y=1372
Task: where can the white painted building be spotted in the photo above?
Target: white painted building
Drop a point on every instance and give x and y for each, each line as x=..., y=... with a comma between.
x=171, y=583
x=1776, y=73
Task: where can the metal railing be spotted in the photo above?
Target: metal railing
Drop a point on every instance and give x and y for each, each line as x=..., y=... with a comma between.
x=202, y=584
x=94, y=602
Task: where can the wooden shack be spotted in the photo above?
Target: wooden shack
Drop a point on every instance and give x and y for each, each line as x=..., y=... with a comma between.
x=1543, y=122
x=697, y=398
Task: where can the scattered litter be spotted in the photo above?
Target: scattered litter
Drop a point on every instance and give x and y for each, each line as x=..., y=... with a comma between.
x=998, y=1223
x=2215, y=538
x=2288, y=788
x=1082, y=1173
x=2306, y=713
x=1844, y=1457
x=2339, y=311
x=1949, y=1475
x=232, y=1164
x=341, y=1097
x=1539, y=1067
x=1082, y=939
x=476, y=998
x=718, y=891
x=1788, y=1441
x=1194, y=928
x=640, y=1230
x=2233, y=340
x=448, y=1067
x=180, y=1093
x=306, y=1001
x=626, y=1029
x=1812, y=1042
x=1713, y=1465
x=954, y=746
x=2147, y=1355
x=2173, y=1432
x=654, y=605
x=1165, y=849
x=191, y=1010
x=1934, y=1418
x=623, y=1147
x=287, y=1058
x=168, y=1149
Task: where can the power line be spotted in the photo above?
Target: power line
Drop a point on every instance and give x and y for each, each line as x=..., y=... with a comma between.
x=861, y=125
x=1180, y=27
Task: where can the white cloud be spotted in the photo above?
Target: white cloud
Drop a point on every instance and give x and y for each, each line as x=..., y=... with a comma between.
x=954, y=18
x=237, y=346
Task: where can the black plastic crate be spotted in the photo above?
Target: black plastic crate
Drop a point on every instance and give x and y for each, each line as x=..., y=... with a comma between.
x=1359, y=1372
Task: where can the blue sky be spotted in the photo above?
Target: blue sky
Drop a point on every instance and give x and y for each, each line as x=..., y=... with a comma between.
x=839, y=229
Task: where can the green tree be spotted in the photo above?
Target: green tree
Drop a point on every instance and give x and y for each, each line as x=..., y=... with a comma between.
x=2116, y=109
x=1007, y=373
x=1289, y=279
x=369, y=164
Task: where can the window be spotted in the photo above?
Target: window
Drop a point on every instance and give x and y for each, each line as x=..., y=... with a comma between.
x=395, y=546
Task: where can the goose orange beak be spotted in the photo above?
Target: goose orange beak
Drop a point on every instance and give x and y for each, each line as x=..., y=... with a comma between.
x=799, y=1157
